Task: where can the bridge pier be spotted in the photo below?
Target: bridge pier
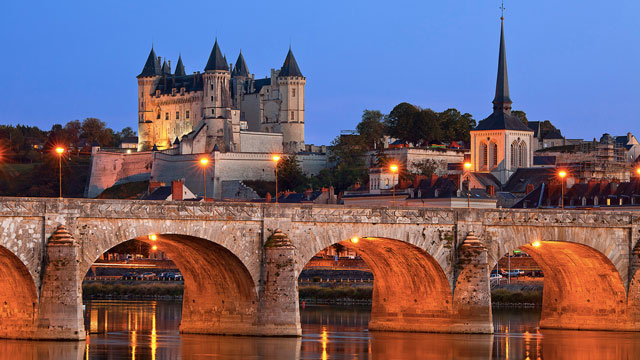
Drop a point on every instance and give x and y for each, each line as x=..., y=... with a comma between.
x=60, y=314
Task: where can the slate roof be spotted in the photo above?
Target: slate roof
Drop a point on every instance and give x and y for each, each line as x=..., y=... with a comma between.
x=555, y=134
x=160, y=193
x=535, y=126
x=151, y=67
x=544, y=160
x=502, y=121
x=258, y=84
x=173, y=81
x=180, y=68
x=487, y=179
x=502, y=82
x=130, y=140
x=240, y=68
x=290, y=66
x=165, y=68
x=216, y=60
x=518, y=182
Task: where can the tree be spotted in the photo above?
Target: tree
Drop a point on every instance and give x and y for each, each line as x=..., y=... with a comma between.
x=371, y=128
x=455, y=126
x=399, y=122
x=95, y=130
x=290, y=175
x=428, y=167
x=522, y=115
x=72, y=131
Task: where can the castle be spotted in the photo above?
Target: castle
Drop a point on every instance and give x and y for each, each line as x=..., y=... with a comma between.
x=224, y=107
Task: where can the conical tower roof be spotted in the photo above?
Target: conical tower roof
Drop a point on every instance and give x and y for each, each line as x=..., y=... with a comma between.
x=165, y=68
x=241, y=68
x=290, y=66
x=151, y=67
x=216, y=60
x=502, y=82
x=180, y=67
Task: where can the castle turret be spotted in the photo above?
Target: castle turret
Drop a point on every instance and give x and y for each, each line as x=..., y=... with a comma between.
x=217, y=97
x=147, y=81
x=240, y=81
x=291, y=119
x=180, y=68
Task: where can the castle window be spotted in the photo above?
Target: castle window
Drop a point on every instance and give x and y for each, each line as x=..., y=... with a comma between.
x=293, y=92
x=187, y=114
x=166, y=116
x=293, y=115
x=177, y=115
x=213, y=111
x=158, y=115
x=212, y=88
x=212, y=98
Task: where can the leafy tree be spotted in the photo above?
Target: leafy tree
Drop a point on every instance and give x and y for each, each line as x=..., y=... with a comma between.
x=547, y=127
x=371, y=129
x=400, y=121
x=522, y=115
x=290, y=175
x=455, y=126
x=96, y=130
x=72, y=131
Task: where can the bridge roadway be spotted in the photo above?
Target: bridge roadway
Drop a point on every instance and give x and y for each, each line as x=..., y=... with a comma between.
x=241, y=262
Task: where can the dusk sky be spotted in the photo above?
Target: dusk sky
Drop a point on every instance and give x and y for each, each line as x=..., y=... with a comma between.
x=575, y=63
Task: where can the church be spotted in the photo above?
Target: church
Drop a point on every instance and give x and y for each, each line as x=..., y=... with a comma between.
x=501, y=143
x=224, y=107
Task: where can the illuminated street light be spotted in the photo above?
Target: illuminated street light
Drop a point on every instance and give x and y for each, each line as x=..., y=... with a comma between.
x=355, y=239
x=153, y=237
x=394, y=170
x=154, y=248
x=60, y=151
x=562, y=175
x=638, y=171
x=276, y=159
x=204, y=162
x=467, y=166
x=536, y=244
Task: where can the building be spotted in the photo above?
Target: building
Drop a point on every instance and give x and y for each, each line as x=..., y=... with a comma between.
x=501, y=143
x=223, y=105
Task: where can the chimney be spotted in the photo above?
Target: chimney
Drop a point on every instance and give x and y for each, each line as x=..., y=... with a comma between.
x=169, y=65
x=194, y=79
x=592, y=184
x=154, y=185
x=267, y=198
x=176, y=190
x=530, y=188
x=491, y=190
x=307, y=193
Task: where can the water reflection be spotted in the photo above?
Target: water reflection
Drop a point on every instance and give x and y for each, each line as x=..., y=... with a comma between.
x=149, y=330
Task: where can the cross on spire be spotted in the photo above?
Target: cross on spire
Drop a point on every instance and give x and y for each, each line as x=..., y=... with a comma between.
x=502, y=9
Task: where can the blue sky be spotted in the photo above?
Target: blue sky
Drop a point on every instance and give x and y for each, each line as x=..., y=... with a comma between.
x=575, y=63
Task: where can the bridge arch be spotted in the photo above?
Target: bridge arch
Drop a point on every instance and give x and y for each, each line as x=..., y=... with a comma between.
x=220, y=293
x=584, y=274
x=18, y=297
x=411, y=292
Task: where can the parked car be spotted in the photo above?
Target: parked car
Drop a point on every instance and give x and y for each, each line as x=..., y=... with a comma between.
x=514, y=273
x=147, y=276
x=495, y=276
x=167, y=276
x=130, y=276
x=178, y=277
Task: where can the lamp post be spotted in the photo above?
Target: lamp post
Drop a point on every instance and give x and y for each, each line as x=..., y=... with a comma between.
x=204, y=162
x=394, y=170
x=562, y=175
x=60, y=151
x=275, y=159
x=467, y=166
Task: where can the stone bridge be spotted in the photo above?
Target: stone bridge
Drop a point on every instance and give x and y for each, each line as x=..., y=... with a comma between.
x=241, y=262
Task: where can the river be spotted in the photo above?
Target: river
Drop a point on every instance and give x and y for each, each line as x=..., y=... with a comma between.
x=149, y=330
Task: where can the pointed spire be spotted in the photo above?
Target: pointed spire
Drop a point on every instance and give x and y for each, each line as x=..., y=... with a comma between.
x=151, y=67
x=290, y=66
x=216, y=60
x=165, y=68
x=241, y=68
x=502, y=101
x=180, y=67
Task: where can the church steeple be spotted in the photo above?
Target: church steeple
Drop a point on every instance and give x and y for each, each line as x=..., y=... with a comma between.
x=216, y=60
x=502, y=101
x=180, y=67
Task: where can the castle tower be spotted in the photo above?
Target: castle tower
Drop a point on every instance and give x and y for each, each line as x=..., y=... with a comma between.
x=501, y=143
x=291, y=118
x=147, y=82
x=239, y=81
x=216, y=97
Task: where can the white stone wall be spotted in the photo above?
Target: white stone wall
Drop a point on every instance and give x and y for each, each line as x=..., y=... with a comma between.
x=109, y=168
x=312, y=164
x=260, y=142
x=241, y=166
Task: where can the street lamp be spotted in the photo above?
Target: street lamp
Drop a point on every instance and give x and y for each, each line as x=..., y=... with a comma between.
x=562, y=175
x=60, y=151
x=467, y=166
x=394, y=170
x=275, y=159
x=204, y=162
x=355, y=240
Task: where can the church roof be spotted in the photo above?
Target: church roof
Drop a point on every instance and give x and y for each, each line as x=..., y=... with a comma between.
x=180, y=67
x=241, y=68
x=216, y=60
x=290, y=66
x=502, y=121
x=502, y=82
x=151, y=67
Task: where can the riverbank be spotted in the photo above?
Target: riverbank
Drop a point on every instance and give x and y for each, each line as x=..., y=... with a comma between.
x=132, y=290
x=517, y=295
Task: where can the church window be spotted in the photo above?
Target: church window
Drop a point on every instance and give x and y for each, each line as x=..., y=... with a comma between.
x=187, y=114
x=166, y=116
x=514, y=154
x=522, y=159
x=494, y=155
x=293, y=92
x=293, y=115
x=484, y=154
x=177, y=115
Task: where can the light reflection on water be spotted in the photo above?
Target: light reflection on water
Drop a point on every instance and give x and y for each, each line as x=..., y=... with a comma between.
x=149, y=330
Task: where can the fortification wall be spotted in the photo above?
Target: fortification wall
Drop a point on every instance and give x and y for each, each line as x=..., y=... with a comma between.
x=109, y=168
x=260, y=142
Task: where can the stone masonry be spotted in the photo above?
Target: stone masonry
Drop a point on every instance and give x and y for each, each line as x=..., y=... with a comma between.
x=241, y=262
